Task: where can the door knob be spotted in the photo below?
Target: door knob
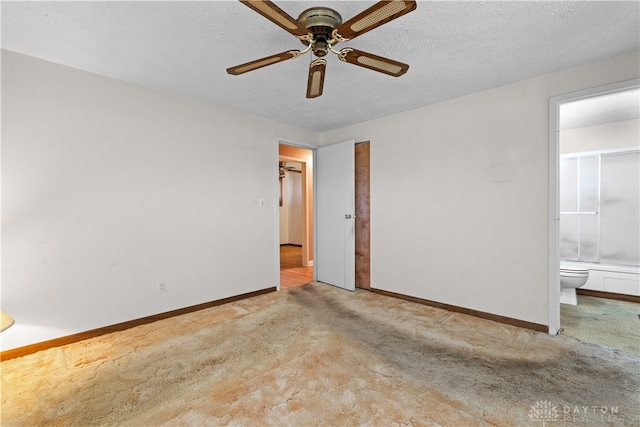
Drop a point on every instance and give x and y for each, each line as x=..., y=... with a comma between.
x=347, y=216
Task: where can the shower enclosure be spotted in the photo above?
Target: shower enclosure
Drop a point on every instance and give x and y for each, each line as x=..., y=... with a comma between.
x=600, y=216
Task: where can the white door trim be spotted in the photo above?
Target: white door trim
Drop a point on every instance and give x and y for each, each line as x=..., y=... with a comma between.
x=554, y=161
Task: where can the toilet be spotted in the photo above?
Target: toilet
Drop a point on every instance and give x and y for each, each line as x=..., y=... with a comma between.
x=571, y=278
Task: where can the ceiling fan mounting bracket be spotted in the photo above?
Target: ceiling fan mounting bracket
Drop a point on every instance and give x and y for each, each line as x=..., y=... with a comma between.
x=342, y=55
x=318, y=61
x=337, y=37
x=321, y=18
x=297, y=53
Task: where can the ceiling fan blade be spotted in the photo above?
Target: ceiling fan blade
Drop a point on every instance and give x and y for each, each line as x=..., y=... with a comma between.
x=279, y=17
x=316, y=78
x=373, y=17
x=373, y=62
x=263, y=62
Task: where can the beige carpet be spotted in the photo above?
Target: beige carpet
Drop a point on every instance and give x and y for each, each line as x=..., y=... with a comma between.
x=318, y=355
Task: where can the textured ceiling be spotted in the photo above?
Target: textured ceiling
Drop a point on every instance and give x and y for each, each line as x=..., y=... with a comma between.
x=453, y=48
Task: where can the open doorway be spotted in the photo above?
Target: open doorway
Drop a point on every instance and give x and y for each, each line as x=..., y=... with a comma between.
x=295, y=179
x=594, y=198
x=296, y=168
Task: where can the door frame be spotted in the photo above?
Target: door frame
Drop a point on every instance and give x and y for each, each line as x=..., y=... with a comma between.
x=362, y=210
x=554, y=186
x=276, y=194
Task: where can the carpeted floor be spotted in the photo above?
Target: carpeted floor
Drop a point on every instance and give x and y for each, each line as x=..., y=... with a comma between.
x=606, y=322
x=319, y=355
x=290, y=256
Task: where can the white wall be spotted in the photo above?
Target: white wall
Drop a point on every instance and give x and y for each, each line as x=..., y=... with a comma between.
x=284, y=215
x=294, y=206
x=622, y=134
x=459, y=193
x=109, y=188
x=291, y=216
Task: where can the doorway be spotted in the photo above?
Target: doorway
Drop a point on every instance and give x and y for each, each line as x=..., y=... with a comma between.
x=296, y=200
x=585, y=128
x=295, y=180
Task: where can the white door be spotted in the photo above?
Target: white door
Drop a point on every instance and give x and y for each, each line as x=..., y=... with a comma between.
x=335, y=219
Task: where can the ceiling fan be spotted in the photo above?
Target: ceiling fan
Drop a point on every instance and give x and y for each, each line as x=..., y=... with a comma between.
x=282, y=168
x=320, y=29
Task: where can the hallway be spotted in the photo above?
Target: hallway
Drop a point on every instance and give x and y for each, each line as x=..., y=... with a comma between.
x=292, y=273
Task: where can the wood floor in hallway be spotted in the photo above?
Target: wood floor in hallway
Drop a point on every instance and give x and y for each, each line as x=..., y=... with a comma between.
x=292, y=277
x=292, y=273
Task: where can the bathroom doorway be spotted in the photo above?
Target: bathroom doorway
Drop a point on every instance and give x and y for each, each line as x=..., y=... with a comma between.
x=594, y=204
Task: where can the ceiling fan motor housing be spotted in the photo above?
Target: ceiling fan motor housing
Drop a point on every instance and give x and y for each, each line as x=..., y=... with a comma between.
x=320, y=21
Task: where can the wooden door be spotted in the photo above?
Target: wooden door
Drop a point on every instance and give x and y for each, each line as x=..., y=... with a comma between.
x=362, y=230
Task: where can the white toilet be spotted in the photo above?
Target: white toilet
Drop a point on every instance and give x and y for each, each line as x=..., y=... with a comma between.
x=571, y=278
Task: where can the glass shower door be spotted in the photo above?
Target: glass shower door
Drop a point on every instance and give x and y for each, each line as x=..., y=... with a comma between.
x=600, y=208
x=620, y=206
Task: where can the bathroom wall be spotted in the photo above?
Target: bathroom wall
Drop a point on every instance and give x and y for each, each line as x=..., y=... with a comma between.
x=606, y=136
